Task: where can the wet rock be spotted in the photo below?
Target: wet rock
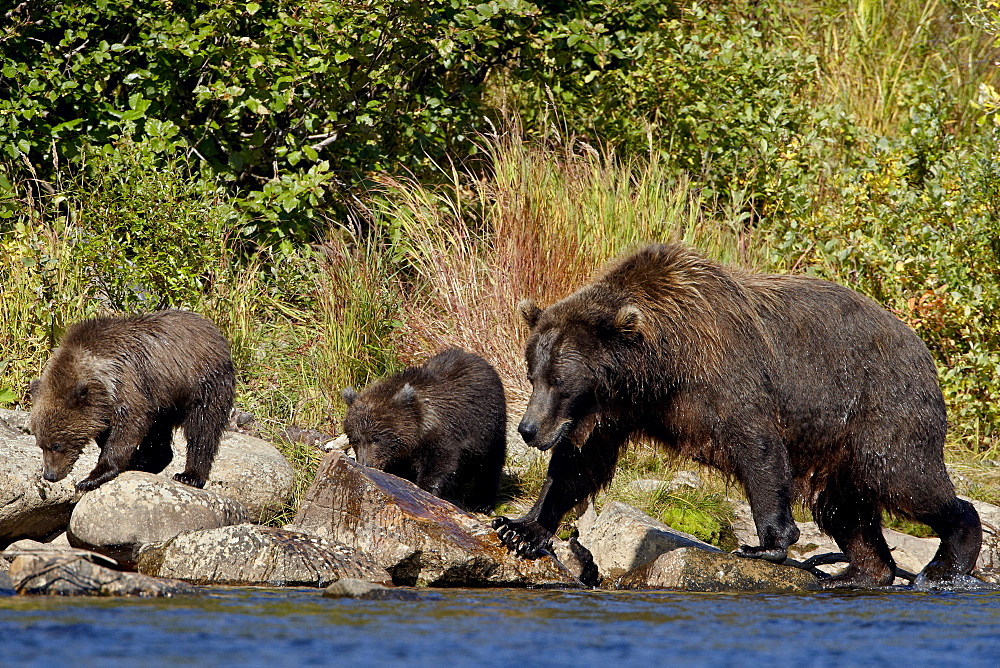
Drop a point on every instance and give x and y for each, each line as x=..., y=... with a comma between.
x=694, y=569
x=624, y=538
x=137, y=508
x=578, y=560
x=250, y=555
x=420, y=539
x=68, y=572
x=989, y=555
x=6, y=585
x=366, y=591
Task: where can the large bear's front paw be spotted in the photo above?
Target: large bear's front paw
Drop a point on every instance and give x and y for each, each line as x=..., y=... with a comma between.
x=526, y=538
x=775, y=555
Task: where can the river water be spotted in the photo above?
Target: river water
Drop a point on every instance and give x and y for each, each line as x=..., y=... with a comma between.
x=293, y=627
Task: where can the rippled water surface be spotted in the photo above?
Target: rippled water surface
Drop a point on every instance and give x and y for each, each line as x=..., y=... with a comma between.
x=507, y=627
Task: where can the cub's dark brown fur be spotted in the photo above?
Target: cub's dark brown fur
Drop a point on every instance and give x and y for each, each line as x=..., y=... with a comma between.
x=126, y=383
x=790, y=384
x=441, y=425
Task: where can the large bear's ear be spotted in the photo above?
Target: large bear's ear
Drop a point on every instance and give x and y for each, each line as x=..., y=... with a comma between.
x=529, y=311
x=628, y=321
x=349, y=395
x=406, y=395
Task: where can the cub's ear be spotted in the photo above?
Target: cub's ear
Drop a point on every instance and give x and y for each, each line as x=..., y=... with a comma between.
x=529, y=311
x=406, y=395
x=33, y=388
x=78, y=397
x=349, y=395
x=628, y=321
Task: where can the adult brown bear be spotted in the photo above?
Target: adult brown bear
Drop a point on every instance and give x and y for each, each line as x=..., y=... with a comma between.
x=790, y=384
x=125, y=383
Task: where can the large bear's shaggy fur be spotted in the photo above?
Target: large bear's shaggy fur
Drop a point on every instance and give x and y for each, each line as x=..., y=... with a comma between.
x=126, y=383
x=792, y=385
x=442, y=425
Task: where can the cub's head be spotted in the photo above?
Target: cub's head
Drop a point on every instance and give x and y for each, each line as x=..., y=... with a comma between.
x=569, y=351
x=66, y=415
x=381, y=425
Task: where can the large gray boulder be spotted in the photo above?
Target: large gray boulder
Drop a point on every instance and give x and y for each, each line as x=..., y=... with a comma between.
x=623, y=538
x=246, y=469
x=420, y=539
x=250, y=555
x=696, y=569
x=135, y=509
x=40, y=569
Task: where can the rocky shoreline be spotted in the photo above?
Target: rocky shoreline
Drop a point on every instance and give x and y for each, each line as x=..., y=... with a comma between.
x=358, y=532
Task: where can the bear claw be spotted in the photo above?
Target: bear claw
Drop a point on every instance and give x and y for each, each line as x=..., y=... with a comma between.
x=524, y=538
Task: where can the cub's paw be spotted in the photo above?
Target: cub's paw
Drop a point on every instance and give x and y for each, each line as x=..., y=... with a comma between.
x=189, y=479
x=88, y=484
x=775, y=555
x=525, y=538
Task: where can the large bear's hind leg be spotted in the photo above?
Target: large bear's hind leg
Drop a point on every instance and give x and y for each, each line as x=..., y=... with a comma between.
x=857, y=527
x=957, y=523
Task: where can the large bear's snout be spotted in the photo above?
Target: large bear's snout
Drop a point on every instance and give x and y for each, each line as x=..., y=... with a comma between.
x=528, y=430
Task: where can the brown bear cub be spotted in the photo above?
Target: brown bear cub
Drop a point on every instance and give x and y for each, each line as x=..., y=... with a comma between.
x=794, y=386
x=126, y=383
x=442, y=425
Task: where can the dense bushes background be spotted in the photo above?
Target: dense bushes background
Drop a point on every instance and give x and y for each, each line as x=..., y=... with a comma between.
x=347, y=186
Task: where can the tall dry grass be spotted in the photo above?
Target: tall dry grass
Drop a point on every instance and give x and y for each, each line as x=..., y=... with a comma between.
x=542, y=223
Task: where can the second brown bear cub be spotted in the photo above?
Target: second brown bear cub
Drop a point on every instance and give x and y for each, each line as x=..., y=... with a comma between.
x=126, y=383
x=442, y=425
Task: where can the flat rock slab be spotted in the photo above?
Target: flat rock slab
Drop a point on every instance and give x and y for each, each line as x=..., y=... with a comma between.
x=68, y=572
x=136, y=508
x=250, y=555
x=694, y=569
x=624, y=538
x=366, y=591
x=420, y=539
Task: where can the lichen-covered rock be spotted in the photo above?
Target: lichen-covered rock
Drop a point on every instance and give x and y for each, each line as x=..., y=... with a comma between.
x=136, y=508
x=250, y=555
x=624, y=538
x=694, y=569
x=419, y=538
x=41, y=569
x=366, y=591
x=246, y=469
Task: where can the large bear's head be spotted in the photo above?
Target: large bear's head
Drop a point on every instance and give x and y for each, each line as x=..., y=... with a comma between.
x=70, y=407
x=572, y=345
x=383, y=425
